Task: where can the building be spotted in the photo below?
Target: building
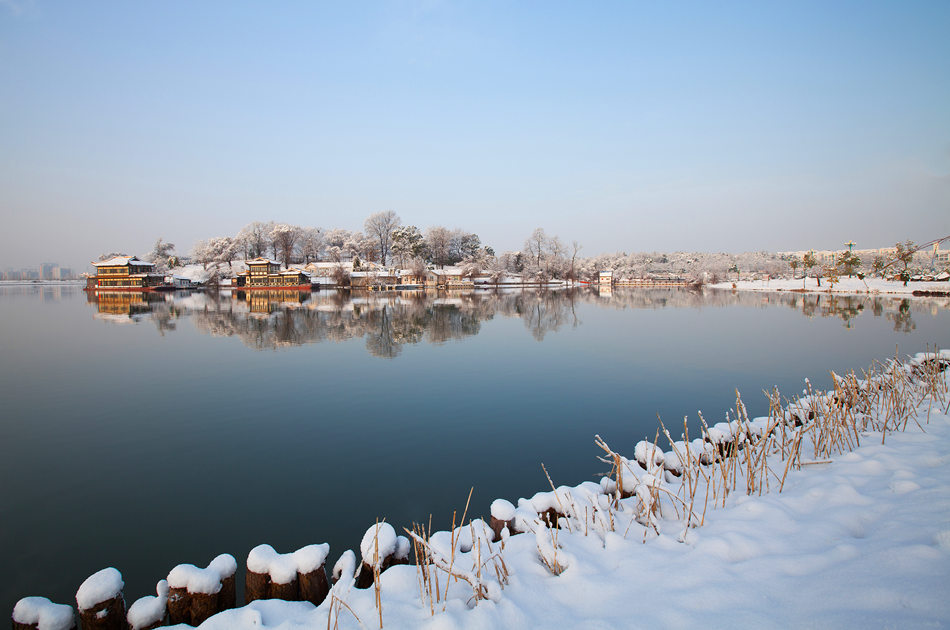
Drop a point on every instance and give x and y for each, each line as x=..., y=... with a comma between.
x=448, y=278
x=124, y=273
x=263, y=273
x=606, y=278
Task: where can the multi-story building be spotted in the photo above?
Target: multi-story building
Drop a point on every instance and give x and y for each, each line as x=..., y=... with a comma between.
x=124, y=273
x=263, y=273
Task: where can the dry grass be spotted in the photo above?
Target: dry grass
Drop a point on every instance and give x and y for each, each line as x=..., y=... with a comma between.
x=755, y=456
x=435, y=565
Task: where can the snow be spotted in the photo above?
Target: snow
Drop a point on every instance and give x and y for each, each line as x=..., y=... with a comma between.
x=99, y=587
x=860, y=539
x=44, y=613
x=122, y=260
x=284, y=567
x=844, y=285
x=195, y=580
x=311, y=557
x=502, y=510
x=150, y=609
x=379, y=542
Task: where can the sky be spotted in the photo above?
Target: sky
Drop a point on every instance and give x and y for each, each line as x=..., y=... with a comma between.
x=626, y=126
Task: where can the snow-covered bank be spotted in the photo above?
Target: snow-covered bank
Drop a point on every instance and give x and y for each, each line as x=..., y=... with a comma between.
x=844, y=285
x=862, y=541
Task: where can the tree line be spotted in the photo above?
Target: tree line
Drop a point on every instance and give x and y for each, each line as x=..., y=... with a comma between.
x=385, y=240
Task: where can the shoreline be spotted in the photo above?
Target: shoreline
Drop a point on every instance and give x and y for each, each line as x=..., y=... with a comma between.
x=845, y=286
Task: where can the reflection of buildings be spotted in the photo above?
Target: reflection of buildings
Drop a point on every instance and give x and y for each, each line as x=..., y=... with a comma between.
x=122, y=305
x=387, y=322
x=267, y=301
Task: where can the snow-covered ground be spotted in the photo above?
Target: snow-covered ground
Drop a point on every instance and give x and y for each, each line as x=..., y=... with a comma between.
x=844, y=285
x=858, y=537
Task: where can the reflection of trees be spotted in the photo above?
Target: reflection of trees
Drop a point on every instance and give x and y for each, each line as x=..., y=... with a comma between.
x=387, y=322
x=903, y=322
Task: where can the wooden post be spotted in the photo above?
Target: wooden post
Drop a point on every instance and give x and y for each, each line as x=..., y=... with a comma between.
x=297, y=576
x=314, y=586
x=197, y=594
x=255, y=586
x=100, y=601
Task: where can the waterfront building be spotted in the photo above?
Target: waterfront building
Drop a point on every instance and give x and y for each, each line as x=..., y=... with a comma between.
x=264, y=273
x=124, y=273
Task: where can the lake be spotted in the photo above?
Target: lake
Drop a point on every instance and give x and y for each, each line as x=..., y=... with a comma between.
x=141, y=431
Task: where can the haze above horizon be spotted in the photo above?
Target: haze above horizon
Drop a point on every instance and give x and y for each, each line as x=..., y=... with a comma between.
x=624, y=126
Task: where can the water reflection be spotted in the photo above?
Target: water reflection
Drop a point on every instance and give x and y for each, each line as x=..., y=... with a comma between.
x=269, y=320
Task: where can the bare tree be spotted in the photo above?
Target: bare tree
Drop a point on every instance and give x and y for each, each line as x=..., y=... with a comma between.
x=535, y=246
x=439, y=242
x=284, y=238
x=311, y=243
x=575, y=250
x=255, y=238
x=379, y=226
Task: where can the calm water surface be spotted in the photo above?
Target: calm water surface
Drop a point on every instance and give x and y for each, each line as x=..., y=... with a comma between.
x=145, y=431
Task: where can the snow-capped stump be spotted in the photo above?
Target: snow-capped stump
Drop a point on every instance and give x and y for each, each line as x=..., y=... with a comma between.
x=378, y=549
x=100, y=602
x=297, y=576
x=195, y=594
x=403, y=547
x=548, y=507
x=345, y=567
x=39, y=613
x=149, y=612
x=502, y=517
x=648, y=455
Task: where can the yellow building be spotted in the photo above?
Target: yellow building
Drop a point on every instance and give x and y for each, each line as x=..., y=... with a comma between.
x=263, y=273
x=124, y=273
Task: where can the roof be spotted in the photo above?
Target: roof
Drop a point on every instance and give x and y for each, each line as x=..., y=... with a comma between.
x=122, y=260
x=261, y=259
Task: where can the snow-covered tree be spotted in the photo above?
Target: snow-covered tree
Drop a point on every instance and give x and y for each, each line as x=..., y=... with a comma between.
x=161, y=254
x=407, y=243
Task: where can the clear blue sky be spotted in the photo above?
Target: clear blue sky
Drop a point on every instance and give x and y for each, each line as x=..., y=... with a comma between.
x=624, y=125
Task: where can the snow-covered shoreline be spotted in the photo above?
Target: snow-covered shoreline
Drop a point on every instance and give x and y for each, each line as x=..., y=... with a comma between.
x=697, y=534
x=872, y=286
